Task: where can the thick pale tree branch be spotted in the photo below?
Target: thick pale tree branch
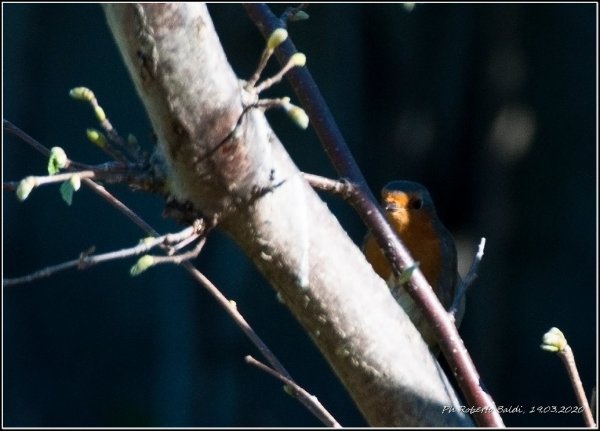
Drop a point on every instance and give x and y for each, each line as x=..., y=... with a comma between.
x=222, y=156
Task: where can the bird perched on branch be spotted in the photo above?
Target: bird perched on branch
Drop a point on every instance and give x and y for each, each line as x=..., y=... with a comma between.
x=411, y=214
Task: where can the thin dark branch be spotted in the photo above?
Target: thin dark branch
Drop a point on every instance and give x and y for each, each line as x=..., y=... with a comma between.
x=344, y=189
x=178, y=258
x=469, y=278
x=120, y=206
x=231, y=308
x=10, y=127
x=568, y=358
x=87, y=260
x=299, y=392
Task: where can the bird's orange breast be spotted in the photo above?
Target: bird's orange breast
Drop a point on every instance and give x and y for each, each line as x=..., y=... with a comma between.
x=422, y=243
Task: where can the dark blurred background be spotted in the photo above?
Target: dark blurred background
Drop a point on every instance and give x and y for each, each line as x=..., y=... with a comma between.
x=492, y=107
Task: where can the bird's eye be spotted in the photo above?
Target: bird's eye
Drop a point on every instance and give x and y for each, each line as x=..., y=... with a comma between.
x=416, y=203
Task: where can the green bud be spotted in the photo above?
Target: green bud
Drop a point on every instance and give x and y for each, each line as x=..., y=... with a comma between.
x=58, y=160
x=82, y=93
x=298, y=116
x=298, y=59
x=96, y=137
x=100, y=115
x=75, y=181
x=142, y=264
x=26, y=185
x=553, y=340
x=407, y=273
x=147, y=241
x=277, y=38
x=299, y=16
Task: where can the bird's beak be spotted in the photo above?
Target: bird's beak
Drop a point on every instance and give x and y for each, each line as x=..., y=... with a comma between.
x=391, y=207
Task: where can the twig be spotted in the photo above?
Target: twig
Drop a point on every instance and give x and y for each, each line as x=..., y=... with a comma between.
x=262, y=63
x=368, y=209
x=469, y=278
x=555, y=341
x=312, y=402
x=178, y=258
x=59, y=178
x=87, y=260
x=343, y=188
x=569, y=360
x=231, y=308
x=269, y=82
x=86, y=95
x=120, y=206
x=10, y=127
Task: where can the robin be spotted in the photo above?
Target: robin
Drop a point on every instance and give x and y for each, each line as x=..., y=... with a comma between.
x=411, y=214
